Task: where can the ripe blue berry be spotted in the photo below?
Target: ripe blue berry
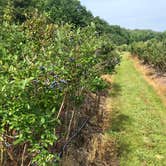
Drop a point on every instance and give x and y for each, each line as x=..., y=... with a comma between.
x=42, y=68
x=63, y=81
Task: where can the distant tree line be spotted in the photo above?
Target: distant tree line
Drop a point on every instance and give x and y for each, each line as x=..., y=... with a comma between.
x=71, y=11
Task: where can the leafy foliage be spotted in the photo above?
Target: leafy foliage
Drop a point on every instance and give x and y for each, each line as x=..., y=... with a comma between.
x=59, y=11
x=152, y=52
x=72, y=12
x=40, y=63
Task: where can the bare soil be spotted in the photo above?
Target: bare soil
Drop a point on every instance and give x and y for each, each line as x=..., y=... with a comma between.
x=93, y=147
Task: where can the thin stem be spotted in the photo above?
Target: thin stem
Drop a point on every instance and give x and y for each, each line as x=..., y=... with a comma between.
x=60, y=110
x=23, y=154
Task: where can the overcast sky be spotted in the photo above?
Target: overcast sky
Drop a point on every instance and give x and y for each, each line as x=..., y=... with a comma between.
x=141, y=14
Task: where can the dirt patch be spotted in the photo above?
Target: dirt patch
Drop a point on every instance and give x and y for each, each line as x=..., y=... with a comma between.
x=97, y=151
x=155, y=79
x=107, y=78
x=93, y=147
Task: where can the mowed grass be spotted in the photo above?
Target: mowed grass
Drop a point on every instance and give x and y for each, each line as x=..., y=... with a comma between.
x=138, y=119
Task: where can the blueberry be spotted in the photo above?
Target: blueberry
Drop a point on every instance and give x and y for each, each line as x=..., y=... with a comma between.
x=71, y=59
x=63, y=81
x=53, y=84
x=42, y=68
x=36, y=81
x=55, y=76
x=7, y=144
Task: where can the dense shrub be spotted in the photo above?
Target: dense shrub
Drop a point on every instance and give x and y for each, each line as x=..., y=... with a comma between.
x=42, y=63
x=152, y=52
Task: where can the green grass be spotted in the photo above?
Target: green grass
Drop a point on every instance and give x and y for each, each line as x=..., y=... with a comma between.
x=138, y=119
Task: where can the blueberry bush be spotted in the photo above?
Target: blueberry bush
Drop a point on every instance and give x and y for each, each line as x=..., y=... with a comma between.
x=44, y=66
x=152, y=52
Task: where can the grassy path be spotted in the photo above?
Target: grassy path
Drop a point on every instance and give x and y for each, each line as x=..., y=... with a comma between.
x=138, y=119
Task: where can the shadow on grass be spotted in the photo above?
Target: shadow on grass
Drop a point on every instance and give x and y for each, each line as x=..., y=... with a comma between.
x=119, y=121
x=118, y=126
x=115, y=90
x=124, y=148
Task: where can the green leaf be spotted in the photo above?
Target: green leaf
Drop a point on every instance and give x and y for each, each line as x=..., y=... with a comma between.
x=42, y=120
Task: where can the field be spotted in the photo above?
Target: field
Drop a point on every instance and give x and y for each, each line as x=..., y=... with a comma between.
x=138, y=118
x=69, y=91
